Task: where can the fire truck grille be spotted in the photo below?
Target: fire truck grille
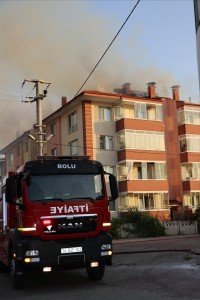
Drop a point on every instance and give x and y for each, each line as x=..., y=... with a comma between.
x=70, y=224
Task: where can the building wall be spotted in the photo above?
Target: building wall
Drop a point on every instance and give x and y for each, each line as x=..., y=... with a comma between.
x=87, y=129
x=68, y=137
x=172, y=150
x=54, y=143
x=108, y=157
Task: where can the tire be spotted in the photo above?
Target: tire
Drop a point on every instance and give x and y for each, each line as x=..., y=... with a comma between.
x=16, y=274
x=96, y=273
x=3, y=268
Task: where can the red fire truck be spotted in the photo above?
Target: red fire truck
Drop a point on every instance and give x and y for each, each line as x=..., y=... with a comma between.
x=54, y=215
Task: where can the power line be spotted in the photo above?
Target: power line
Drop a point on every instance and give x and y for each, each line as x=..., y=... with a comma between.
x=11, y=90
x=108, y=47
x=18, y=101
x=154, y=152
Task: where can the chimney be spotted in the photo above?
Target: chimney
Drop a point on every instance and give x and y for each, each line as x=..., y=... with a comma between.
x=152, y=89
x=64, y=100
x=126, y=88
x=175, y=92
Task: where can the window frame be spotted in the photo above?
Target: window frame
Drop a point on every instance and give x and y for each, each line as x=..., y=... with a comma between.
x=106, y=142
x=103, y=114
x=71, y=146
x=72, y=122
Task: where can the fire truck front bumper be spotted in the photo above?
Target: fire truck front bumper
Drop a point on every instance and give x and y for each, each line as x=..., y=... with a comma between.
x=66, y=254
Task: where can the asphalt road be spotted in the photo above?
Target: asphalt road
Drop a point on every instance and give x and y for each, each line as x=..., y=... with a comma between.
x=154, y=273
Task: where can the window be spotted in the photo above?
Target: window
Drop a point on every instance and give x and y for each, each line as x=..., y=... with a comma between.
x=53, y=152
x=72, y=119
x=147, y=111
x=191, y=199
x=137, y=139
x=189, y=116
x=105, y=113
x=144, y=201
x=121, y=141
x=66, y=186
x=106, y=142
x=142, y=170
x=124, y=203
x=151, y=112
x=140, y=111
x=190, y=171
x=189, y=142
x=10, y=158
x=73, y=147
x=53, y=128
x=159, y=115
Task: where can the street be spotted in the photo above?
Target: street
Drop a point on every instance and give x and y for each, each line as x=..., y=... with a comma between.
x=156, y=275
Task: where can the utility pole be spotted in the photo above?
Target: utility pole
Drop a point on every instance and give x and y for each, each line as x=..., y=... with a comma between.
x=38, y=99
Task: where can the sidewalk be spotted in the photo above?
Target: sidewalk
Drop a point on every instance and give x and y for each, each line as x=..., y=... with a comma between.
x=189, y=243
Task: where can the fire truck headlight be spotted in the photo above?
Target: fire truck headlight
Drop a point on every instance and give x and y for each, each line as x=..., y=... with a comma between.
x=106, y=247
x=106, y=253
x=32, y=253
x=47, y=269
x=106, y=224
x=94, y=264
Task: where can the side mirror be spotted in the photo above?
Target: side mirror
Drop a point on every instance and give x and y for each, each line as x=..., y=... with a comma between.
x=10, y=190
x=113, y=187
x=27, y=178
x=19, y=185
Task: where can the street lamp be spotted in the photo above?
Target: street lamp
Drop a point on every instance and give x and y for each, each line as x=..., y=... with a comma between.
x=42, y=142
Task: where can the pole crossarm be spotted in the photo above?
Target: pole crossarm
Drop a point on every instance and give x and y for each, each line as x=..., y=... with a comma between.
x=38, y=99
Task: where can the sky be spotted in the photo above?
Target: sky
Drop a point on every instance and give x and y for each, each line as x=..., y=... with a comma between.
x=62, y=41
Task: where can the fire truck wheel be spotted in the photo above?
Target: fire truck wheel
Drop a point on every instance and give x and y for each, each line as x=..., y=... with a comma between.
x=96, y=273
x=3, y=268
x=16, y=274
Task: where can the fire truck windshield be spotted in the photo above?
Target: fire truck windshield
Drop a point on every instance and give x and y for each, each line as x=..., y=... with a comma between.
x=65, y=187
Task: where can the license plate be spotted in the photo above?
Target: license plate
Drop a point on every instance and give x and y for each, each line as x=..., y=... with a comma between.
x=72, y=250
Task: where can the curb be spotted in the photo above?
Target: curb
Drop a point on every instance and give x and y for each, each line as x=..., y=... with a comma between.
x=151, y=239
x=162, y=238
x=152, y=251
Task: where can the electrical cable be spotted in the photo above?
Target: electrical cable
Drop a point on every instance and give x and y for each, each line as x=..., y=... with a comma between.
x=153, y=152
x=108, y=47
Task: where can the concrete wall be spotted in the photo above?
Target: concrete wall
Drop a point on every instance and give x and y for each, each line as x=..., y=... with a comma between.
x=180, y=227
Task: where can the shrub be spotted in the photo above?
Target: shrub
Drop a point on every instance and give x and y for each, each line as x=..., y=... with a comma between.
x=149, y=226
x=116, y=228
x=142, y=224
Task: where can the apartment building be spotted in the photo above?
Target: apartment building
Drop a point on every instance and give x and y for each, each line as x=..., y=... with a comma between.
x=23, y=148
x=138, y=137
x=150, y=143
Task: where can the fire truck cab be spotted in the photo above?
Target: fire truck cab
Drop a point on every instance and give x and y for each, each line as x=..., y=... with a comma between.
x=54, y=215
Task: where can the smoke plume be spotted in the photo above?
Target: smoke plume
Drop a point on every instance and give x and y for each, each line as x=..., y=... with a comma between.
x=60, y=42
